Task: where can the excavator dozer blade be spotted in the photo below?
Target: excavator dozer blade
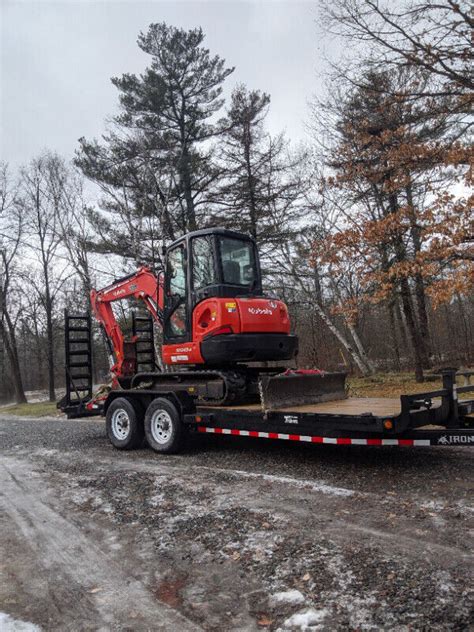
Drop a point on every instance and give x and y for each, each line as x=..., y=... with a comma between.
x=298, y=389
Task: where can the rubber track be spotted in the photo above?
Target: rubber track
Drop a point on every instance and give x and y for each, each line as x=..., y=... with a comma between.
x=236, y=384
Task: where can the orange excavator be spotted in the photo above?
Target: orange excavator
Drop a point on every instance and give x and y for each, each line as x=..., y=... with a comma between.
x=220, y=330
x=208, y=302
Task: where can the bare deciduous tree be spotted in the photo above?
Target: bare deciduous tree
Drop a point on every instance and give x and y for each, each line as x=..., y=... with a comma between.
x=42, y=200
x=11, y=227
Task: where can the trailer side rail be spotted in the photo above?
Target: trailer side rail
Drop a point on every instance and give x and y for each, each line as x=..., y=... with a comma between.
x=422, y=438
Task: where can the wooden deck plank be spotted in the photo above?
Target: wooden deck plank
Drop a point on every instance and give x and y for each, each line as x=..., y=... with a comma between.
x=379, y=406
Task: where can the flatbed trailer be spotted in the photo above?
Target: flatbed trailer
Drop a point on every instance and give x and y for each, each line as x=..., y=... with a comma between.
x=436, y=418
x=165, y=407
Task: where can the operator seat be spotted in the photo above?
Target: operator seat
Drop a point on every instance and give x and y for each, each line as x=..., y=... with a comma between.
x=232, y=272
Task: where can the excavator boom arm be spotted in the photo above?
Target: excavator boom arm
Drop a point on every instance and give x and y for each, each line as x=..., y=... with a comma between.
x=142, y=285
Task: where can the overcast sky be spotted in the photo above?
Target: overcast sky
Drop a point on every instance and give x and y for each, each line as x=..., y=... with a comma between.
x=57, y=59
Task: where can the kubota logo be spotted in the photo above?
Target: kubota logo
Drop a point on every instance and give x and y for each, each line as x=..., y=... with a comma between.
x=259, y=311
x=119, y=292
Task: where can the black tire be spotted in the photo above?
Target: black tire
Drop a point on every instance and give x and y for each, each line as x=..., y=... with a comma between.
x=164, y=429
x=124, y=424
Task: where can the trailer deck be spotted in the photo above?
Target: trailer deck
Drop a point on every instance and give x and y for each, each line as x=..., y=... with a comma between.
x=422, y=419
x=435, y=417
x=380, y=406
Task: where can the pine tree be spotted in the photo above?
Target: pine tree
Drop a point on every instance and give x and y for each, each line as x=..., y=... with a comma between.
x=155, y=167
x=263, y=184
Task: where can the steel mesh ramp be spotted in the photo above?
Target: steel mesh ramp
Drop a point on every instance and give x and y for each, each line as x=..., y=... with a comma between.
x=78, y=362
x=142, y=330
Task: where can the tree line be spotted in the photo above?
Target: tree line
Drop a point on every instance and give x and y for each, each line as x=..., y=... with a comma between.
x=366, y=231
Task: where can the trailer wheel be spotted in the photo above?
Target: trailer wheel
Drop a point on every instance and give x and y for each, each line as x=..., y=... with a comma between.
x=124, y=424
x=163, y=426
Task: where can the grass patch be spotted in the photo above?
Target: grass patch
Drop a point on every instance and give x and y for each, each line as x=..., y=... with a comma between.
x=38, y=409
x=393, y=385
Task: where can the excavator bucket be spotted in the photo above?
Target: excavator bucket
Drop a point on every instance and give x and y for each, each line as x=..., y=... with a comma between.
x=297, y=388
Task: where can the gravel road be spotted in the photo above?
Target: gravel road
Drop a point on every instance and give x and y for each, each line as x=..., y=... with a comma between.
x=233, y=534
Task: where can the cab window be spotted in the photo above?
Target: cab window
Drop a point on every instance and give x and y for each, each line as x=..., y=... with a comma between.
x=203, y=262
x=238, y=261
x=176, y=294
x=177, y=272
x=177, y=322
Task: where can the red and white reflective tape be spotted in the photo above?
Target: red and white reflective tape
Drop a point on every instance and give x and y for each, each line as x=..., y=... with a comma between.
x=309, y=439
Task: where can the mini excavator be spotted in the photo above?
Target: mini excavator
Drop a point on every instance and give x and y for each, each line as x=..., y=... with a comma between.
x=220, y=330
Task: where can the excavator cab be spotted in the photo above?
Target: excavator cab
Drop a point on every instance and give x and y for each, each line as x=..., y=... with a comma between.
x=215, y=311
x=207, y=263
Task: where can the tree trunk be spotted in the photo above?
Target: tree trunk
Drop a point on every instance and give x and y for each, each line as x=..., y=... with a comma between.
x=393, y=333
x=360, y=348
x=250, y=183
x=188, y=194
x=383, y=248
x=420, y=294
x=423, y=320
x=417, y=344
x=319, y=309
x=402, y=323
x=466, y=333
x=343, y=340
x=9, y=341
x=50, y=337
x=412, y=330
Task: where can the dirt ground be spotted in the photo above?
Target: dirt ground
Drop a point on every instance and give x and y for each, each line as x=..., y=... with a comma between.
x=233, y=534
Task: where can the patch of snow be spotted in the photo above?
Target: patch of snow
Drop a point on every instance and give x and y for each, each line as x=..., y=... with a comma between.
x=9, y=624
x=319, y=486
x=360, y=611
x=465, y=509
x=115, y=546
x=46, y=452
x=438, y=522
x=293, y=597
x=438, y=505
x=358, y=605
x=445, y=585
x=305, y=620
x=433, y=505
x=157, y=499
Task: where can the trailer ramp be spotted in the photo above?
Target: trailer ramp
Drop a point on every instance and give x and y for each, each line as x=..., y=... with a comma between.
x=78, y=364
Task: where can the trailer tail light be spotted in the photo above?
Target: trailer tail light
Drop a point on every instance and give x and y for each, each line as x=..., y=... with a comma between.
x=225, y=329
x=388, y=424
